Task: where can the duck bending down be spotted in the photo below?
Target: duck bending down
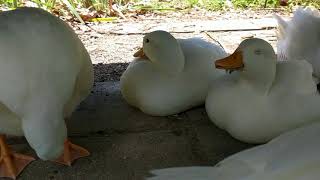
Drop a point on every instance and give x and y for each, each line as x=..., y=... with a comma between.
x=294, y=155
x=299, y=38
x=170, y=75
x=45, y=72
x=268, y=97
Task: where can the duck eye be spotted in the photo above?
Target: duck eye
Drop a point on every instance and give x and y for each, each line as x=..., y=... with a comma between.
x=258, y=52
x=147, y=40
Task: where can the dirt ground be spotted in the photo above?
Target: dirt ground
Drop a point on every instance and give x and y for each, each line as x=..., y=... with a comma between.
x=111, y=45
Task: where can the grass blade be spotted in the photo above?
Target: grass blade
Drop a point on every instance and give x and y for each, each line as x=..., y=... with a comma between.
x=73, y=10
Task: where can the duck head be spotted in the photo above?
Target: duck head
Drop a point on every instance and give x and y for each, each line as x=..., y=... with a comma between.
x=163, y=50
x=256, y=61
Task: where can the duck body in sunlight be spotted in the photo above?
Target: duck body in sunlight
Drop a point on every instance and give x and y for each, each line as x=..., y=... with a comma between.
x=170, y=75
x=263, y=97
x=294, y=155
x=45, y=72
x=299, y=38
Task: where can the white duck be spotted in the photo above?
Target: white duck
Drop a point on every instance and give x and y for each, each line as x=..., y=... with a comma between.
x=299, y=38
x=294, y=155
x=45, y=72
x=264, y=97
x=170, y=75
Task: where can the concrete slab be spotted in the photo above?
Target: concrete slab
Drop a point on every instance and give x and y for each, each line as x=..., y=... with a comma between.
x=119, y=157
x=190, y=26
x=126, y=144
x=106, y=110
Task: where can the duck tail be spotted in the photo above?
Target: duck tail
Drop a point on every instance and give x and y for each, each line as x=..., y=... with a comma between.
x=282, y=25
x=281, y=35
x=304, y=13
x=297, y=36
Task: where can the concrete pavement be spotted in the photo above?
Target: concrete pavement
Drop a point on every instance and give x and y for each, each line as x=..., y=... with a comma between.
x=126, y=144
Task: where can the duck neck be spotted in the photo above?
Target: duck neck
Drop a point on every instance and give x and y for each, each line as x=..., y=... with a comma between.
x=171, y=62
x=260, y=79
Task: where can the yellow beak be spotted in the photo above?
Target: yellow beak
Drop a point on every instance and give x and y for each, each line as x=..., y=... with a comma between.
x=232, y=62
x=140, y=54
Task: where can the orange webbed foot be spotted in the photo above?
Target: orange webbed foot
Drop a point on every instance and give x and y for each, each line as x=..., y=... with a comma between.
x=71, y=152
x=11, y=164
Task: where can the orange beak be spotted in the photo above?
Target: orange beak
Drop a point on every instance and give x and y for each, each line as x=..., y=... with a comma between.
x=140, y=54
x=232, y=62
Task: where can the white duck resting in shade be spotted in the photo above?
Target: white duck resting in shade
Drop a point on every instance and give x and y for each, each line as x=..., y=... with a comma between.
x=264, y=97
x=170, y=76
x=299, y=38
x=45, y=72
x=294, y=155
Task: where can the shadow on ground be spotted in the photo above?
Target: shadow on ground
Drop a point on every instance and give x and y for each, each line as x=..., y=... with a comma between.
x=126, y=144
x=108, y=72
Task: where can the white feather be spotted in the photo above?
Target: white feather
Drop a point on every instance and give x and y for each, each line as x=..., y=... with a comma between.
x=45, y=72
x=294, y=155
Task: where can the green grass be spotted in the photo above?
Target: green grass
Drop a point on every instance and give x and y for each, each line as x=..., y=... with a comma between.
x=153, y=5
x=315, y=3
x=102, y=5
x=254, y=3
x=221, y=4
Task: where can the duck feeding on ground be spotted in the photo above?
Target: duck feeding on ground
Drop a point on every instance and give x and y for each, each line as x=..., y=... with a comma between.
x=45, y=72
